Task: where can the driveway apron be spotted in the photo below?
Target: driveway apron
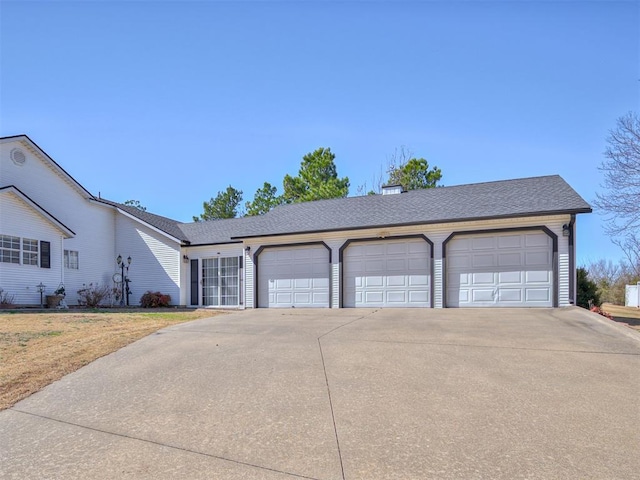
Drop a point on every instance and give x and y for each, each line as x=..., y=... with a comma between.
x=345, y=394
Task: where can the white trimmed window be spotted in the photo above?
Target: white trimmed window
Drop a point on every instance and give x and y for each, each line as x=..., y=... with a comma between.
x=9, y=249
x=29, y=251
x=71, y=259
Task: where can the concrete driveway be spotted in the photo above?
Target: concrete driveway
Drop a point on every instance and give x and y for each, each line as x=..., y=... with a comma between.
x=345, y=394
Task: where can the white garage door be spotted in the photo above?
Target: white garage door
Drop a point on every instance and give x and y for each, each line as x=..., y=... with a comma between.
x=293, y=277
x=500, y=270
x=387, y=273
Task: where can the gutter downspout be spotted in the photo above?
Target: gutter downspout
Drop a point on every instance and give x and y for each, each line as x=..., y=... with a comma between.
x=572, y=260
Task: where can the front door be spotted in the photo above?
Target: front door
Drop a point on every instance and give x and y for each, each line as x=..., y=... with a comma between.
x=220, y=281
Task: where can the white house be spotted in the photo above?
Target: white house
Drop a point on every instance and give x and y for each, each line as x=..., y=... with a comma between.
x=506, y=243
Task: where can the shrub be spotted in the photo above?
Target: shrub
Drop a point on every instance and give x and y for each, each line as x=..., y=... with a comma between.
x=6, y=298
x=93, y=295
x=154, y=300
x=587, y=290
x=601, y=312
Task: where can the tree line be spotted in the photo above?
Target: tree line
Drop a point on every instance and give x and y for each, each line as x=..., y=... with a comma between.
x=619, y=203
x=317, y=179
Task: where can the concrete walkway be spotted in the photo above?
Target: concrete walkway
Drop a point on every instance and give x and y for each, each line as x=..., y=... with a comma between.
x=345, y=394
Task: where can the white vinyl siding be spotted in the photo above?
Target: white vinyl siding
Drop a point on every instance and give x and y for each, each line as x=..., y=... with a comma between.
x=93, y=224
x=387, y=273
x=512, y=269
x=24, y=222
x=296, y=276
x=155, y=259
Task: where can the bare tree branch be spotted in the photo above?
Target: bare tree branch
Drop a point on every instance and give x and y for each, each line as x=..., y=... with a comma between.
x=619, y=201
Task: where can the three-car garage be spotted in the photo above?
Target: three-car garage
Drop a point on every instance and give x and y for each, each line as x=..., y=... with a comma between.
x=499, y=268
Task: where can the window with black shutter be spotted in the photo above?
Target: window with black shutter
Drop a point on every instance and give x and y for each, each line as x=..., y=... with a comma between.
x=45, y=254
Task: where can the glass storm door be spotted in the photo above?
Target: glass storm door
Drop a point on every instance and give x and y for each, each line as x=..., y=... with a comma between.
x=220, y=281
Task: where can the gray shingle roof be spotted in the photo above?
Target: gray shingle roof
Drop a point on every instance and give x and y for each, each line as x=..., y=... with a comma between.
x=167, y=225
x=502, y=199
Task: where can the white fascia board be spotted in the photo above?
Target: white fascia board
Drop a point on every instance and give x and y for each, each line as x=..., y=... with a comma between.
x=66, y=231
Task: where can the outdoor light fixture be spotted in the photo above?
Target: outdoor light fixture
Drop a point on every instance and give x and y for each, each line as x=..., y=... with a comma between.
x=247, y=249
x=566, y=230
x=41, y=288
x=124, y=278
x=185, y=258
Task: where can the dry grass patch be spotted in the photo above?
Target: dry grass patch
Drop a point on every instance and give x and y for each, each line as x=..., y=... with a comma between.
x=629, y=315
x=37, y=349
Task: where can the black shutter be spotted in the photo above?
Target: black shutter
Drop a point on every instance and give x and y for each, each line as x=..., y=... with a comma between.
x=194, y=282
x=45, y=254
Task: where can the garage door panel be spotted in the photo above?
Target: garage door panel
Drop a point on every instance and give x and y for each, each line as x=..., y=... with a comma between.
x=320, y=283
x=537, y=240
x=374, y=250
x=482, y=295
x=294, y=276
x=396, y=265
x=374, y=297
x=510, y=241
x=302, y=283
x=282, y=283
x=479, y=261
x=483, y=278
x=534, y=276
x=510, y=295
x=397, y=249
x=397, y=281
x=374, y=266
x=418, y=264
x=537, y=258
x=459, y=261
x=388, y=275
x=509, y=259
x=418, y=296
x=418, y=281
x=458, y=296
x=281, y=297
x=517, y=271
x=538, y=295
x=510, y=277
x=483, y=243
x=419, y=248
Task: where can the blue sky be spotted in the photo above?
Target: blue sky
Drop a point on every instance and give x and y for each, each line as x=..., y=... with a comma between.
x=170, y=102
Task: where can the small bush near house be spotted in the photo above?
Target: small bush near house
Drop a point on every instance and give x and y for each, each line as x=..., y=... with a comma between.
x=6, y=298
x=602, y=312
x=93, y=294
x=154, y=300
x=587, y=290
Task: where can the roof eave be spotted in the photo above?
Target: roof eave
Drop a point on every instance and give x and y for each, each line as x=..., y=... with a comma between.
x=412, y=224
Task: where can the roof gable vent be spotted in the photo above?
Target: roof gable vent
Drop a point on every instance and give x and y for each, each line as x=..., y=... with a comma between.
x=392, y=189
x=18, y=157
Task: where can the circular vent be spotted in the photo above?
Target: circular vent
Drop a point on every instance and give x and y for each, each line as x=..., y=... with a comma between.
x=18, y=156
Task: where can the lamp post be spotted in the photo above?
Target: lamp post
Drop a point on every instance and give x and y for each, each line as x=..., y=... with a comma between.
x=124, y=278
x=41, y=288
